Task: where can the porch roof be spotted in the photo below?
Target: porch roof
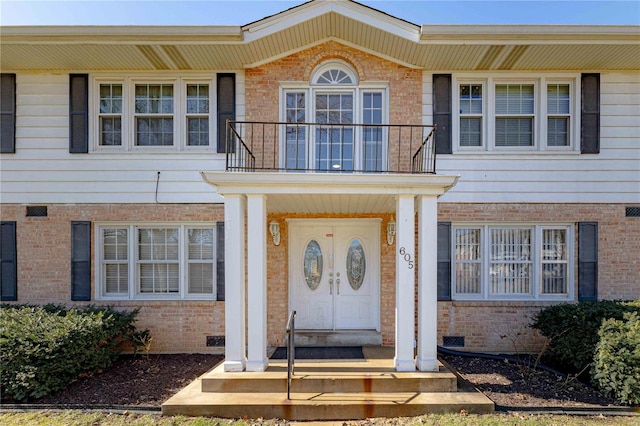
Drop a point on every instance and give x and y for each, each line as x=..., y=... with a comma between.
x=339, y=193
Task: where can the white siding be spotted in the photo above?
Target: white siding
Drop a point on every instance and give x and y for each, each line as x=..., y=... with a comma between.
x=613, y=176
x=43, y=171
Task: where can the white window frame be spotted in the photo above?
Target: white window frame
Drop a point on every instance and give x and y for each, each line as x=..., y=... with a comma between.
x=483, y=115
x=535, y=292
x=540, y=116
x=179, y=114
x=357, y=89
x=134, y=281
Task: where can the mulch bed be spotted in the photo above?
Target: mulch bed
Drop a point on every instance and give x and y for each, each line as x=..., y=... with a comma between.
x=150, y=380
x=509, y=384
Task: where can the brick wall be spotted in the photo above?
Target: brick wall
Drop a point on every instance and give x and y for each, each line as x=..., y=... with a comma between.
x=44, y=252
x=182, y=326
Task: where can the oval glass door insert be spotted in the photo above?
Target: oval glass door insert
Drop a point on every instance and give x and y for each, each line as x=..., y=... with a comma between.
x=356, y=264
x=313, y=264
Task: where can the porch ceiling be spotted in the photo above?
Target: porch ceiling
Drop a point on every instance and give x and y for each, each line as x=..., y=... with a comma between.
x=308, y=193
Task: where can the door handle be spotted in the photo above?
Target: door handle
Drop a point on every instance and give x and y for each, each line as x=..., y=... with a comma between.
x=331, y=285
x=338, y=285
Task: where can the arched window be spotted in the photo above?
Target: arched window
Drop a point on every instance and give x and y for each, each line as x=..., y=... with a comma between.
x=334, y=73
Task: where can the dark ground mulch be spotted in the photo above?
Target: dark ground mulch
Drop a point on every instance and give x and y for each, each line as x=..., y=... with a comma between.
x=514, y=385
x=149, y=381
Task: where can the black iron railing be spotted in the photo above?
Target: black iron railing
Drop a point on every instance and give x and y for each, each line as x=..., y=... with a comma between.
x=336, y=148
x=291, y=349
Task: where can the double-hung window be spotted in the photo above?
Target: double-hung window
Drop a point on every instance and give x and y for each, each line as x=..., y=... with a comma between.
x=528, y=113
x=134, y=113
x=558, y=114
x=158, y=261
x=471, y=110
x=515, y=113
x=519, y=262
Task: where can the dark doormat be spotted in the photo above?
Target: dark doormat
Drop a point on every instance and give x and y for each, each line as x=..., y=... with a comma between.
x=322, y=352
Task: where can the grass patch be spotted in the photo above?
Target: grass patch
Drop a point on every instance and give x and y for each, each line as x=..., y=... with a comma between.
x=70, y=417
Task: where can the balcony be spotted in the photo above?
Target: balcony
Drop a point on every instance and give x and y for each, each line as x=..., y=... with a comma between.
x=253, y=146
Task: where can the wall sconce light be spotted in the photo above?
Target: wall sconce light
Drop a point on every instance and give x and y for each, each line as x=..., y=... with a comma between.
x=274, y=230
x=391, y=231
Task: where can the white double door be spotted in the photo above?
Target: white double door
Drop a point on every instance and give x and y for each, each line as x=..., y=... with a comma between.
x=334, y=274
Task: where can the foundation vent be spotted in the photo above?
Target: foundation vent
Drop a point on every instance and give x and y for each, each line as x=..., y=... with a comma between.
x=37, y=211
x=453, y=341
x=632, y=212
x=215, y=341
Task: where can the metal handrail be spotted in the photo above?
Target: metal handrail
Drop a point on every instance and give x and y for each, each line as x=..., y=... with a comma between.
x=291, y=349
x=274, y=146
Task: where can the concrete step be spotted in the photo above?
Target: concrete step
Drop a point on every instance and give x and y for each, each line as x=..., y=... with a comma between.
x=191, y=401
x=338, y=338
x=334, y=377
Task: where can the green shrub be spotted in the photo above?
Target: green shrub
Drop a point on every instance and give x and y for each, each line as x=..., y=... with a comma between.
x=572, y=330
x=44, y=348
x=616, y=369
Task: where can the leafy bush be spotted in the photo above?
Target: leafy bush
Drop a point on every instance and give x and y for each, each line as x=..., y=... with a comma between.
x=44, y=348
x=572, y=330
x=616, y=368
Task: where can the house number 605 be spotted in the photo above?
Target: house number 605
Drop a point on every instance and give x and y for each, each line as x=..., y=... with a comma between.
x=406, y=256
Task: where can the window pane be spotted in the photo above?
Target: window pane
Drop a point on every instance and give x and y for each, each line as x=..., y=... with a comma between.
x=468, y=267
x=470, y=99
x=514, y=131
x=110, y=98
x=470, y=131
x=154, y=98
x=115, y=244
x=554, y=278
x=558, y=99
x=159, y=278
x=510, y=259
x=110, y=131
x=200, y=244
x=116, y=278
x=197, y=99
x=554, y=261
x=154, y=131
x=198, y=131
x=558, y=131
x=468, y=278
x=514, y=99
x=201, y=278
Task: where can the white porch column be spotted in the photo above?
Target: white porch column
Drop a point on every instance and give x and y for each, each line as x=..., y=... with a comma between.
x=427, y=283
x=405, y=283
x=234, y=282
x=257, y=286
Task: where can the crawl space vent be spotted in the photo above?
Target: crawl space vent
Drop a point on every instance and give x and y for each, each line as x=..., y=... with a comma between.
x=36, y=211
x=632, y=211
x=453, y=341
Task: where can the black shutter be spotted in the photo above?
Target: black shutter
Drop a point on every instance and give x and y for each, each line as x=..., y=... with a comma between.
x=7, y=113
x=590, y=114
x=220, y=260
x=444, y=260
x=8, y=262
x=78, y=113
x=80, y=260
x=226, y=105
x=442, y=112
x=587, y=261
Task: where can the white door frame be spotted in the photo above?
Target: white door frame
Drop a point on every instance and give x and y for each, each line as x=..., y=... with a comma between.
x=372, y=261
